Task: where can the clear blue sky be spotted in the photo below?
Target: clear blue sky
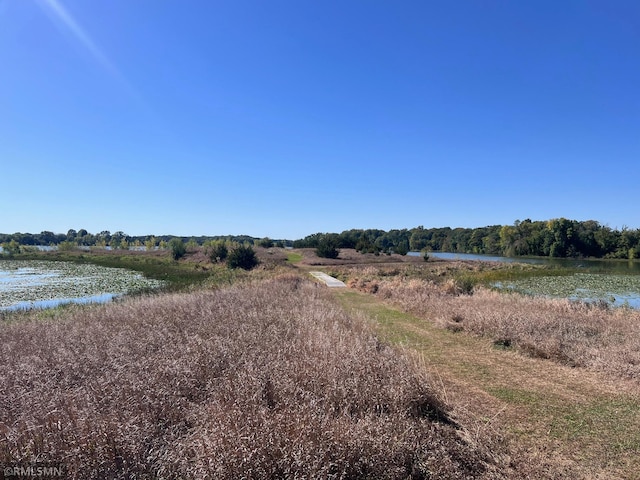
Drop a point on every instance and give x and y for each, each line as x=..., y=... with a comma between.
x=285, y=118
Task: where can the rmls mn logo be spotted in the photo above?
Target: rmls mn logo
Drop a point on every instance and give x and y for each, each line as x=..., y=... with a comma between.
x=33, y=470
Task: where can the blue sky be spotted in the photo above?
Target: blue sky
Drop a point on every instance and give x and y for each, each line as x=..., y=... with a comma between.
x=284, y=118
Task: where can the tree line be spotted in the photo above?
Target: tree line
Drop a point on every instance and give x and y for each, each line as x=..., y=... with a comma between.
x=551, y=238
x=82, y=238
x=558, y=237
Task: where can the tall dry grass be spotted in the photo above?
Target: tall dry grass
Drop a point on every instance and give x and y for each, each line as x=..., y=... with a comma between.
x=574, y=333
x=269, y=380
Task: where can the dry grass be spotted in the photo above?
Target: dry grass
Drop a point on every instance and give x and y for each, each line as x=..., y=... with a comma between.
x=349, y=256
x=554, y=421
x=267, y=380
x=575, y=334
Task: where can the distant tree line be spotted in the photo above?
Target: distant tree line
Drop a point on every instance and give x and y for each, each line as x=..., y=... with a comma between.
x=120, y=239
x=553, y=238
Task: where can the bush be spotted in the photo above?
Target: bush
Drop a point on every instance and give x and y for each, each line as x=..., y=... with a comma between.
x=266, y=242
x=192, y=245
x=218, y=251
x=66, y=246
x=177, y=247
x=327, y=249
x=243, y=257
x=11, y=247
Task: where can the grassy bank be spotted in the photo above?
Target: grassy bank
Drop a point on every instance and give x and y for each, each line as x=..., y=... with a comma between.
x=572, y=333
x=553, y=421
x=156, y=265
x=271, y=378
x=194, y=270
x=263, y=380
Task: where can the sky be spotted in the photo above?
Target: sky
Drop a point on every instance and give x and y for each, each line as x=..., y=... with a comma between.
x=284, y=118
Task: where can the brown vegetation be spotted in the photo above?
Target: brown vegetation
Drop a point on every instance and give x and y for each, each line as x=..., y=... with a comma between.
x=348, y=256
x=265, y=380
x=573, y=333
x=554, y=421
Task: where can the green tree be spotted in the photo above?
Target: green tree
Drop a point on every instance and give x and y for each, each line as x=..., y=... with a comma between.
x=266, y=242
x=12, y=247
x=177, y=247
x=150, y=243
x=327, y=248
x=242, y=256
x=402, y=248
x=562, y=230
x=419, y=239
x=218, y=251
x=66, y=246
x=192, y=245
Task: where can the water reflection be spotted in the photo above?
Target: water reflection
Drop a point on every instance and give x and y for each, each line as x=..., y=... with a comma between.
x=611, y=281
x=56, y=302
x=593, y=265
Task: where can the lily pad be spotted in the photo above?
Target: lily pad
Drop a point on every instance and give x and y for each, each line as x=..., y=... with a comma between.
x=34, y=283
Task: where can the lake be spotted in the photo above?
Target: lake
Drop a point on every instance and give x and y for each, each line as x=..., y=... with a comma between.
x=26, y=284
x=616, y=282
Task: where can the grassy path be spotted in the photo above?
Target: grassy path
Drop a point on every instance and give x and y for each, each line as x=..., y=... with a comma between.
x=561, y=421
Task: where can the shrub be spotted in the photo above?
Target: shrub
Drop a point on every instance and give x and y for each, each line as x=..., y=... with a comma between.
x=11, y=247
x=192, y=245
x=327, y=249
x=218, y=251
x=243, y=257
x=177, y=247
x=266, y=242
x=66, y=246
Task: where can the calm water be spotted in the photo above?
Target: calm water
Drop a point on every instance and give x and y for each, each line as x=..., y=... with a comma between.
x=596, y=266
x=26, y=284
x=616, y=282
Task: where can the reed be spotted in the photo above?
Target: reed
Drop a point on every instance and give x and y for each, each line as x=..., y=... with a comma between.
x=269, y=379
x=594, y=336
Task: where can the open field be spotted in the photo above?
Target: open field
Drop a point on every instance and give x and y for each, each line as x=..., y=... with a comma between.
x=194, y=270
x=571, y=333
x=555, y=421
x=269, y=375
x=266, y=380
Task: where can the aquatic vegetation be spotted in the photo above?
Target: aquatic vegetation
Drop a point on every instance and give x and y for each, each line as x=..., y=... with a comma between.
x=591, y=287
x=34, y=283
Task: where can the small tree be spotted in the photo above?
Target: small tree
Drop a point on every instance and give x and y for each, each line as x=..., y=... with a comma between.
x=192, y=245
x=243, y=257
x=177, y=247
x=266, y=242
x=66, y=246
x=150, y=243
x=11, y=247
x=327, y=248
x=218, y=251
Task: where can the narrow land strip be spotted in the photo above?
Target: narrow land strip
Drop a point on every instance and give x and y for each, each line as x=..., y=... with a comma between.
x=568, y=422
x=328, y=280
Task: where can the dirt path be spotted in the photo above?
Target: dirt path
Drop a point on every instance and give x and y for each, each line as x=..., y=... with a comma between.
x=557, y=421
